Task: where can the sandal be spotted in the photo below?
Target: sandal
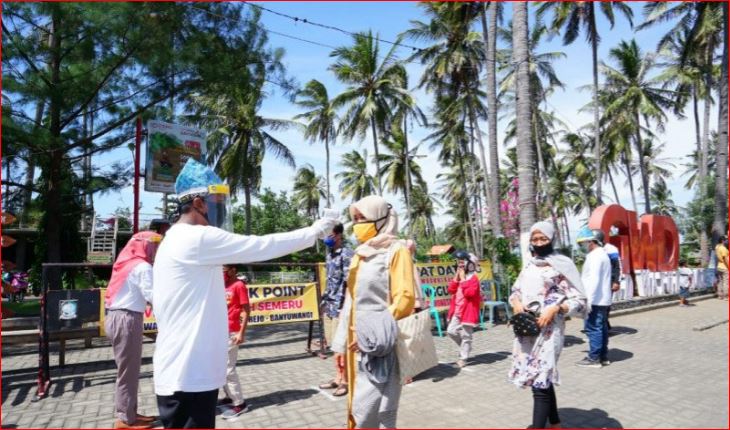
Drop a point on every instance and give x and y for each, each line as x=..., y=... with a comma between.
x=331, y=385
x=340, y=391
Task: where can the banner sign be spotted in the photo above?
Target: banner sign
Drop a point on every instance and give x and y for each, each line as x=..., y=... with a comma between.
x=277, y=304
x=270, y=304
x=438, y=275
x=169, y=146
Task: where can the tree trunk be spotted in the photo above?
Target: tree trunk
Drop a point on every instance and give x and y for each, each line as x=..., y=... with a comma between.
x=698, y=130
x=544, y=179
x=630, y=178
x=705, y=135
x=613, y=186
x=327, y=151
x=525, y=156
x=482, y=156
x=491, y=49
x=642, y=165
x=377, y=156
x=407, y=162
x=55, y=155
x=470, y=222
x=596, y=122
x=247, y=204
x=719, y=225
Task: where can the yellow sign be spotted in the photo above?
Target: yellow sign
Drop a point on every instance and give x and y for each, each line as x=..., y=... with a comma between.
x=277, y=304
x=438, y=276
x=149, y=323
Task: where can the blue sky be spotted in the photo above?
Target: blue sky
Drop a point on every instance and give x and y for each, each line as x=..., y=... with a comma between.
x=307, y=61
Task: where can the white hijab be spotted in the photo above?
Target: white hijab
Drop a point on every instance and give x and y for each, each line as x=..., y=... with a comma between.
x=376, y=208
x=559, y=262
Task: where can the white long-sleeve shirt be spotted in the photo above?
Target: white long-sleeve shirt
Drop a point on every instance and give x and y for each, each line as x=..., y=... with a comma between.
x=136, y=290
x=596, y=277
x=189, y=299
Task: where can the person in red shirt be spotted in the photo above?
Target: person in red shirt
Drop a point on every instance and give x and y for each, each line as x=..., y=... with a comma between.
x=466, y=300
x=238, y=311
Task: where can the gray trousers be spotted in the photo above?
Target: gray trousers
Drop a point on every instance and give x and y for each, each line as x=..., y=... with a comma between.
x=376, y=405
x=462, y=335
x=124, y=330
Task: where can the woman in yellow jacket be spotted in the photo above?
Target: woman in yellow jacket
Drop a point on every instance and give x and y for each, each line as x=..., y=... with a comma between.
x=380, y=291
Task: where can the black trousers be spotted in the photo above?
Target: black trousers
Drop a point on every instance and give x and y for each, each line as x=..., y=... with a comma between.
x=188, y=410
x=545, y=407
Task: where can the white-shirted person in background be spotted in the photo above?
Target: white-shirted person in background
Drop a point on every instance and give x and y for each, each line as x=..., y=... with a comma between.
x=129, y=290
x=190, y=306
x=596, y=277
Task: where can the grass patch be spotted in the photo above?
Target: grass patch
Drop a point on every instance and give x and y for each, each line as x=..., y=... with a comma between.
x=28, y=308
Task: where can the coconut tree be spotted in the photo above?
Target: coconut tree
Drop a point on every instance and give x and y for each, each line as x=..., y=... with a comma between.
x=577, y=16
x=661, y=200
x=355, y=181
x=705, y=27
x=374, y=86
x=309, y=188
x=240, y=137
x=490, y=34
x=321, y=118
x=422, y=212
x=633, y=92
x=398, y=164
x=525, y=149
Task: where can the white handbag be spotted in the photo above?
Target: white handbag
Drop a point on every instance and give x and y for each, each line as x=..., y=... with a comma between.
x=415, y=348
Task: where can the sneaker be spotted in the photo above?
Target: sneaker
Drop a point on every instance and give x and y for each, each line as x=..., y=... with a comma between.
x=460, y=363
x=587, y=362
x=235, y=411
x=605, y=362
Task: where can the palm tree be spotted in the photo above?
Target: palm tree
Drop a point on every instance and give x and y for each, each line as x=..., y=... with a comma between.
x=396, y=166
x=495, y=14
x=661, y=200
x=702, y=24
x=355, y=181
x=453, y=63
x=239, y=137
x=630, y=91
x=719, y=224
x=308, y=189
x=692, y=167
x=658, y=168
x=525, y=150
x=375, y=85
x=582, y=14
x=321, y=118
x=420, y=221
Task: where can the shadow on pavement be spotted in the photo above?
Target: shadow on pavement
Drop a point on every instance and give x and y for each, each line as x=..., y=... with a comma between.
x=439, y=373
x=280, y=398
x=488, y=357
x=569, y=340
x=616, y=330
x=580, y=418
x=616, y=355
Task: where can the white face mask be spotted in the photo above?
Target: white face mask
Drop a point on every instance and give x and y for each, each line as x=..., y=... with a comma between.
x=353, y=239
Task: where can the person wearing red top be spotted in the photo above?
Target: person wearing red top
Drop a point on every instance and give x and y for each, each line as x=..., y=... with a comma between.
x=466, y=296
x=238, y=311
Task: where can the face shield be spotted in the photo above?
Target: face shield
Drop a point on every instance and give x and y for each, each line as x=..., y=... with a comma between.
x=218, y=203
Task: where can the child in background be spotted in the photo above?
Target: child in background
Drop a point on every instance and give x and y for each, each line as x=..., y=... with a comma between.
x=685, y=282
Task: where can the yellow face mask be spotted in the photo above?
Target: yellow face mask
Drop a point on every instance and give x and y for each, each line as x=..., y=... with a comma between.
x=364, y=231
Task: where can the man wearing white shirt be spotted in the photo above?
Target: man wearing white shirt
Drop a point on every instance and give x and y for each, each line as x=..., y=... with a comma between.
x=191, y=354
x=596, y=277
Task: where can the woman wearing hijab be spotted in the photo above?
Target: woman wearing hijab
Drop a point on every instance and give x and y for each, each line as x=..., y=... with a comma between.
x=380, y=291
x=551, y=285
x=466, y=303
x=129, y=291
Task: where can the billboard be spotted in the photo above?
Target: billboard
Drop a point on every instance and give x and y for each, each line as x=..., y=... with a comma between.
x=169, y=146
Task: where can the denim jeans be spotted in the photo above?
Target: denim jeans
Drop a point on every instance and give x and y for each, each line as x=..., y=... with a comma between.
x=596, y=327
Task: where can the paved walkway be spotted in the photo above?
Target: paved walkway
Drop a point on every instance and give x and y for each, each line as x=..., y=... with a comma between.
x=664, y=374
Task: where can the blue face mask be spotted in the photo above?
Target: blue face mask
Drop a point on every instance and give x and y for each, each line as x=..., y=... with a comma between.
x=329, y=242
